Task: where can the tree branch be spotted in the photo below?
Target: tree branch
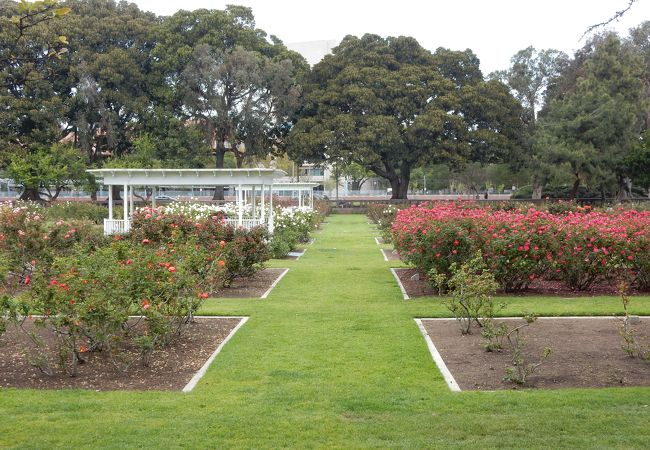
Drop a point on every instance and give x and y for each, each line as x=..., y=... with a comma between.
x=614, y=18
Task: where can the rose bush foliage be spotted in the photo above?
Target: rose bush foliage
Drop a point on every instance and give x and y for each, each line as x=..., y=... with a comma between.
x=578, y=247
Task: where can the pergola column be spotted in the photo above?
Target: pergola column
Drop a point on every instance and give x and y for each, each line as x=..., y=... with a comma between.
x=131, y=205
x=262, y=210
x=110, y=202
x=271, y=221
x=154, y=192
x=299, y=198
x=125, y=203
x=240, y=206
x=311, y=198
x=253, y=201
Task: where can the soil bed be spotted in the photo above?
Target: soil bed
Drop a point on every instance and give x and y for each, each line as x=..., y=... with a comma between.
x=586, y=353
x=390, y=255
x=171, y=368
x=422, y=287
x=250, y=287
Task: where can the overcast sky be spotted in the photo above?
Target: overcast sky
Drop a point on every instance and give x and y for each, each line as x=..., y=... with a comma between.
x=493, y=29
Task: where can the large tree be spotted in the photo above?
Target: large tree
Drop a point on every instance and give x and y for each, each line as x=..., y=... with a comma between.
x=596, y=114
x=31, y=108
x=389, y=105
x=530, y=74
x=228, y=78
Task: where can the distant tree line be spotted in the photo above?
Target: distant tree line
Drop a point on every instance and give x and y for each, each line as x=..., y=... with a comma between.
x=91, y=83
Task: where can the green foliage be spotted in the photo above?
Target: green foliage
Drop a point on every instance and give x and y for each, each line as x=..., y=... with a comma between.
x=384, y=104
x=76, y=211
x=87, y=300
x=493, y=335
x=46, y=171
x=595, y=114
x=471, y=287
x=282, y=242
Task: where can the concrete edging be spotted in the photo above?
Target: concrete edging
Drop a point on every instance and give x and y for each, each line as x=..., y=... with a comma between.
x=277, y=280
x=437, y=358
x=399, y=282
x=198, y=375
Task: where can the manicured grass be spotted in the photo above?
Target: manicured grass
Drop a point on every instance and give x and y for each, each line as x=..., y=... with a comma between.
x=333, y=359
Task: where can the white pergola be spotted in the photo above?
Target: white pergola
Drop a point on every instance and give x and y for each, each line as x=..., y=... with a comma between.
x=254, y=179
x=298, y=187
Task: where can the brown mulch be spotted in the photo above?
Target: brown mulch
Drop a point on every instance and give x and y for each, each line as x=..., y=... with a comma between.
x=415, y=288
x=391, y=255
x=586, y=352
x=250, y=287
x=422, y=287
x=171, y=368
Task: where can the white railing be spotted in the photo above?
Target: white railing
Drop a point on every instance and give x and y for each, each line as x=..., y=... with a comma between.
x=246, y=223
x=115, y=226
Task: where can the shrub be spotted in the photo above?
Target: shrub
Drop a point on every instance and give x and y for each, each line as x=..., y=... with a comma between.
x=282, y=242
x=27, y=240
x=522, y=369
x=75, y=211
x=300, y=220
x=242, y=251
x=579, y=247
x=124, y=300
x=471, y=287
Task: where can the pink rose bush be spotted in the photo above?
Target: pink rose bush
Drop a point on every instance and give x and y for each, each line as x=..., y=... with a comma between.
x=579, y=247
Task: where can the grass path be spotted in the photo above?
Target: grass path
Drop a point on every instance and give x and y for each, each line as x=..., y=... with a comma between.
x=332, y=359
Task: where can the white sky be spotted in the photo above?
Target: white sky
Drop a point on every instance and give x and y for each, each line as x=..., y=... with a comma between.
x=494, y=29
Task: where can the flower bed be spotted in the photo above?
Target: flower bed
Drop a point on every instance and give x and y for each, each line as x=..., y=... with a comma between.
x=86, y=289
x=579, y=247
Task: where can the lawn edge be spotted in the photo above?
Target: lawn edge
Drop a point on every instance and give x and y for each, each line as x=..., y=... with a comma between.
x=202, y=371
x=437, y=358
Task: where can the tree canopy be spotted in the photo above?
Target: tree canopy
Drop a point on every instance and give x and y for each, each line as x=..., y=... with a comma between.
x=389, y=105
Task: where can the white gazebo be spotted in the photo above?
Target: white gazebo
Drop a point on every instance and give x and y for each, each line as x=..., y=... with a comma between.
x=298, y=188
x=256, y=180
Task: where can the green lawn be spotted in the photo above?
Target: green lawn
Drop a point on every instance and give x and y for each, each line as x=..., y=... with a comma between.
x=333, y=359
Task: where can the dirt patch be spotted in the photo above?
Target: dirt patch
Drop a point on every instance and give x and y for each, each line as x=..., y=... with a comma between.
x=586, y=353
x=292, y=256
x=422, y=287
x=390, y=255
x=170, y=370
x=250, y=287
x=415, y=288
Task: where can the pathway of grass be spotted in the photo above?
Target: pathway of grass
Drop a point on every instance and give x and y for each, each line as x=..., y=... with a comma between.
x=331, y=359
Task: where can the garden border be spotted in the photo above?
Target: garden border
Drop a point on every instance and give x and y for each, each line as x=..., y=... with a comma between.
x=204, y=368
x=399, y=282
x=437, y=358
x=277, y=280
x=377, y=240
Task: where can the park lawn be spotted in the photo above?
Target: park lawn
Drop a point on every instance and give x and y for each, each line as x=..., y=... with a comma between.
x=334, y=359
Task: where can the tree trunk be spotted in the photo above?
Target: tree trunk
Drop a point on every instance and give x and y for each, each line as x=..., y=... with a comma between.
x=220, y=153
x=538, y=185
x=624, y=188
x=31, y=195
x=399, y=185
x=116, y=192
x=576, y=185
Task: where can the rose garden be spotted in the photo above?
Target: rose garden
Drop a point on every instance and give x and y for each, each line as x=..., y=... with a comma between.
x=212, y=239
x=145, y=311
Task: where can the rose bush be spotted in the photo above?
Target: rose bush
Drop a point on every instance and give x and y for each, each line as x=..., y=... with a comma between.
x=123, y=299
x=27, y=239
x=579, y=246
